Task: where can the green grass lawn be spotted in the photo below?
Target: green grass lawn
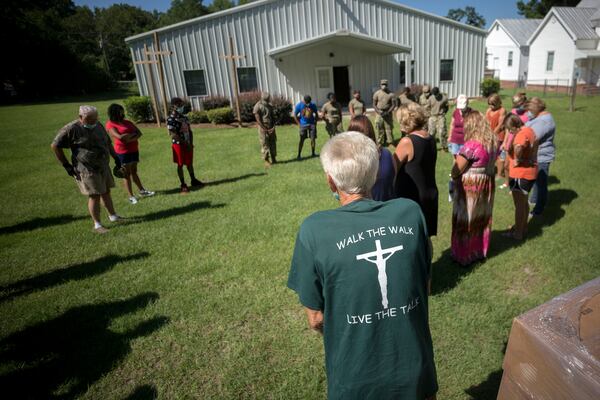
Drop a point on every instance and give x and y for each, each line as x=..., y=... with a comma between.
x=189, y=299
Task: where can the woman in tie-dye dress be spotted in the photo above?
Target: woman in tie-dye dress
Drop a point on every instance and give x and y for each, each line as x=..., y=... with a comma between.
x=473, y=196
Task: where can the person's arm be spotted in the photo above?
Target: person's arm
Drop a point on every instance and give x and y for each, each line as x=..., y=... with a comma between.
x=315, y=319
x=377, y=110
x=125, y=138
x=259, y=122
x=461, y=164
x=351, y=109
x=403, y=153
x=451, y=127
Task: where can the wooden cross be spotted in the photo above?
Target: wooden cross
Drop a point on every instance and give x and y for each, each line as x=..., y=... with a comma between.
x=236, y=92
x=146, y=62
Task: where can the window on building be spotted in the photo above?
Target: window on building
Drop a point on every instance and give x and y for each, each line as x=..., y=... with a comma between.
x=550, y=61
x=247, y=79
x=324, y=81
x=195, y=85
x=412, y=72
x=510, y=58
x=446, y=70
x=402, y=73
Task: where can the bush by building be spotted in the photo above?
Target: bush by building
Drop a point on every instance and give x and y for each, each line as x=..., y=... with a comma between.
x=489, y=86
x=222, y=115
x=139, y=109
x=212, y=102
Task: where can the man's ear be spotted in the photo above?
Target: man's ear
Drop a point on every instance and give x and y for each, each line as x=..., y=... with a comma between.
x=331, y=184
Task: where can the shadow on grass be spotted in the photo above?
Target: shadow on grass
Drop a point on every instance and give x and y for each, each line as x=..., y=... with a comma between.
x=172, y=212
x=447, y=273
x=64, y=356
x=213, y=183
x=38, y=223
x=57, y=277
x=144, y=392
x=295, y=160
x=487, y=389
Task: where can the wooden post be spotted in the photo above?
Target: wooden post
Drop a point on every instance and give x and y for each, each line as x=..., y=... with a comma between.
x=232, y=57
x=161, y=73
x=545, y=86
x=573, y=94
x=146, y=63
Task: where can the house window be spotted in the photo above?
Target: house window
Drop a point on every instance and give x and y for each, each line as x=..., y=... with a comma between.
x=324, y=81
x=402, y=73
x=446, y=70
x=247, y=79
x=412, y=72
x=550, y=61
x=195, y=85
x=510, y=58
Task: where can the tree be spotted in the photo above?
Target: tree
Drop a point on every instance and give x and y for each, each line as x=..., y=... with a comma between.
x=220, y=5
x=182, y=10
x=467, y=15
x=539, y=8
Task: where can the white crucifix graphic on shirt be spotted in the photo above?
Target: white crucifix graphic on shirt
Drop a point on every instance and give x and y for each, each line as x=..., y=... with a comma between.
x=377, y=257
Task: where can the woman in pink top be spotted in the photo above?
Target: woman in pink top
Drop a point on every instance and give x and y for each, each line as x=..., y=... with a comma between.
x=125, y=135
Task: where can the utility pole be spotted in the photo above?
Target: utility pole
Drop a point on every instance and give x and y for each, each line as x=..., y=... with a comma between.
x=232, y=57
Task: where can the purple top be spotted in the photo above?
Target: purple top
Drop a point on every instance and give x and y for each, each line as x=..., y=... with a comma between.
x=476, y=154
x=383, y=190
x=458, y=129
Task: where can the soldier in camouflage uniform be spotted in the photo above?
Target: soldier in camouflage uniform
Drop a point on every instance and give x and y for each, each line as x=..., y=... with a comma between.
x=384, y=103
x=438, y=103
x=263, y=113
x=332, y=114
x=423, y=100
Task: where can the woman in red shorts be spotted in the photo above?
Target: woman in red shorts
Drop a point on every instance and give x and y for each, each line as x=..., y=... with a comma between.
x=183, y=143
x=125, y=135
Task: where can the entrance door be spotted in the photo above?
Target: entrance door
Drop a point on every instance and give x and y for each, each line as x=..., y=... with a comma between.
x=324, y=83
x=341, y=84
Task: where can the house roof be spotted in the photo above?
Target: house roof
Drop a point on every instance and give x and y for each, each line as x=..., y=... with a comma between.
x=589, y=4
x=259, y=3
x=519, y=30
x=341, y=37
x=576, y=20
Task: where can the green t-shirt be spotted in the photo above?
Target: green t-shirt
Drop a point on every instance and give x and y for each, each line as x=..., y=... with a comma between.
x=366, y=266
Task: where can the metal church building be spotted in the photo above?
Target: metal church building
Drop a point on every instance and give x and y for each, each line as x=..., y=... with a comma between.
x=297, y=47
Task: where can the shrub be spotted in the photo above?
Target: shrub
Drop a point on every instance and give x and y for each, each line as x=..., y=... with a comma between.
x=139, y=108
x=198, y=117
x=489, y=86
x=282, y=109
x=222, y=115
x=212, y=102
x=247, y=102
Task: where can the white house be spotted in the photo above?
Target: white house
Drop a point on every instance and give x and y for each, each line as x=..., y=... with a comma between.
x=507, y=52
x=297, y=47
x=565, y=46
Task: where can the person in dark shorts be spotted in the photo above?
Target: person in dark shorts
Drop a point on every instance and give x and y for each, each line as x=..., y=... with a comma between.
x=182, y=140
x=522, y=172
x=306, y=116
x=125, y=135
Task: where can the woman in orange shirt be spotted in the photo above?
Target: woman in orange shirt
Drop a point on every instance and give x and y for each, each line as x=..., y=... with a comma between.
x=495, y=115
x=522, y=161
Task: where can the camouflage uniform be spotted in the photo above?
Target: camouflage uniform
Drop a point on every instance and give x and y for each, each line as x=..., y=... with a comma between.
x=268, y=140
x=424, y=103
x=385, y=102
x=332, y=114
x=437, y=121
x=358, y=106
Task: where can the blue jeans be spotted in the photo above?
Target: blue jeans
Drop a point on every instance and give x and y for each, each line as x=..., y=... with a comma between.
x=539, y=194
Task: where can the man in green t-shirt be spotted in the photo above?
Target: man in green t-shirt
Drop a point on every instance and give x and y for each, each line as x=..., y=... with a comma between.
x=356, y=106
x=384, y=103
x=362, y=273
x=332, y=114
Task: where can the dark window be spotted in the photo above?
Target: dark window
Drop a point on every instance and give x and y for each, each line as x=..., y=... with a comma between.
x=195, y=84
x=412, y=72
x=247, y=79
x=550, y=61
x=402, y=73
x=510, y=58
x=446, y=70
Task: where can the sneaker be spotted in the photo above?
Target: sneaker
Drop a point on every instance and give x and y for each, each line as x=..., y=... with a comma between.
x=146, y=193
x=449, y=198
x=133, y=200
x=184, y=189
x=116, y=218
x=197, y=183
x=503, y=186
x=100, y=230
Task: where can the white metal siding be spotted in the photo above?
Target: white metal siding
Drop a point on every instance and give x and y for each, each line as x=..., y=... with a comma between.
x=257, y=29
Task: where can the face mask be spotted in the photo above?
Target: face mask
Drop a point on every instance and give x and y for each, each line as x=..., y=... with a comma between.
x=90, y=126
x=180, y=110
x=336, y=196
x=530, y=115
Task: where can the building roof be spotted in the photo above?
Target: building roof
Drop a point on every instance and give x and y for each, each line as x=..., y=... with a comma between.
x=576, y=20
x=258, y=3
x=589, y=4
x=519, y=29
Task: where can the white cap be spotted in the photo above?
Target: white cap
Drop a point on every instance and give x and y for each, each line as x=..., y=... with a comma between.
x=87, y=110
x=461, y=102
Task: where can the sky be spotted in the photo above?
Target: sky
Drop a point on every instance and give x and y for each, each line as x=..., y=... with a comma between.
x=490, y=10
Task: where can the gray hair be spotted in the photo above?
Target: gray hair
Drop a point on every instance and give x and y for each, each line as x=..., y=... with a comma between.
x=84, y=111
x=352, y=161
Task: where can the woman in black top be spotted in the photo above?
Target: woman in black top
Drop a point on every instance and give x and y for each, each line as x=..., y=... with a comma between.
x=416, y=156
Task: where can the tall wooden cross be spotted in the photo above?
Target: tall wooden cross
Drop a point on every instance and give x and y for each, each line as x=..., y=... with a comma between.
x=232, y=57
